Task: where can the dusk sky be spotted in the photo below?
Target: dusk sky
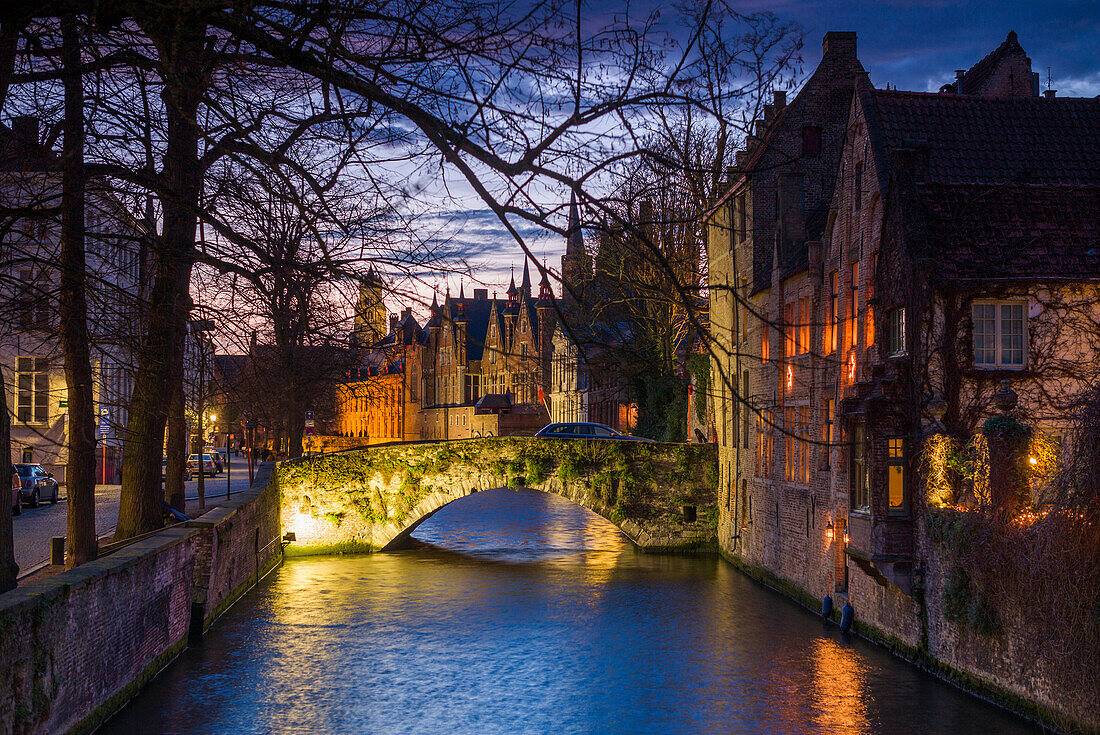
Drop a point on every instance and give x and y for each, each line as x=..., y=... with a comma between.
x=915, y=45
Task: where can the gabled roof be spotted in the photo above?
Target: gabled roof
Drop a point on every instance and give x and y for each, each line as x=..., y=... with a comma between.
x=978, y=74
x=972, y=139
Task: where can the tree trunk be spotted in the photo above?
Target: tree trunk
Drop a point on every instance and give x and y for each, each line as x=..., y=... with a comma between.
x=73, y=313
x=9, y=570
x=177, y=436
x=180, y=45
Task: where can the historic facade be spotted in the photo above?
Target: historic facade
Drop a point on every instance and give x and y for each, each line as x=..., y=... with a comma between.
x=885, y=267
x=119, y=273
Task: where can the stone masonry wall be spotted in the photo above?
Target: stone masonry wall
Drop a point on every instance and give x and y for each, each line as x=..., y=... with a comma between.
x=372, y=499
x=75, y=647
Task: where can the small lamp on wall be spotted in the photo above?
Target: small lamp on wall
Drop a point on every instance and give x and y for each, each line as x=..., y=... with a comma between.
x=829, y=531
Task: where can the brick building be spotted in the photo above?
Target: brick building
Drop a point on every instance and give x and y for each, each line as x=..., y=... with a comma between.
x=881, y=263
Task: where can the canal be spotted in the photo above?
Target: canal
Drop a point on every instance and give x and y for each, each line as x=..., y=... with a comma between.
x=519, y=612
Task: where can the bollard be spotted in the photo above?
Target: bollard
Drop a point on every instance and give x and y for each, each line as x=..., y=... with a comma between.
x=827, y=606
x=57, y=550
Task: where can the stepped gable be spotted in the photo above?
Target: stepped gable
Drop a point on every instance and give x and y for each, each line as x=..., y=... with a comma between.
x=976, y=79
x=980, y=140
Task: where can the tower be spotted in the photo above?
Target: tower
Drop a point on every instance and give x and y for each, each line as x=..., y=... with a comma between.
x=370, y=311
x=576, y=264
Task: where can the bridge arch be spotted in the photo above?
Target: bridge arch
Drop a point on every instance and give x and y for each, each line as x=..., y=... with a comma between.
x=662, y=496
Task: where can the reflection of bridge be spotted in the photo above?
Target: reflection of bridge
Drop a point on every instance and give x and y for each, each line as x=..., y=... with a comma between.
x=662, y=496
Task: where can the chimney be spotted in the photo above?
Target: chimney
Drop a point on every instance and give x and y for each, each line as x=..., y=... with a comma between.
x=779, y=99
x=394, y=321
x=25, y=129
x=1050, y=93
x=959, y=74
x=840, y=43
x=481, y=294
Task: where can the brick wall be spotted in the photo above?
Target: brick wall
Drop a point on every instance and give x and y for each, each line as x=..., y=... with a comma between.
x=75, y=647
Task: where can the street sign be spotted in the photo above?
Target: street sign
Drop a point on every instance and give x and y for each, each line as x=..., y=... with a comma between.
x=309, y=415
x=104, y=429
x=309, y=431
x=62, y=404
x=309, y=424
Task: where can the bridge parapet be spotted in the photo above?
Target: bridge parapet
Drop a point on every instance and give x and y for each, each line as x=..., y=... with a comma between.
x=662, y=496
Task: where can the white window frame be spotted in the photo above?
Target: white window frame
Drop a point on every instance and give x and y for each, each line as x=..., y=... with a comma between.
x=998, y=335
x=895, y=332
x=34, y=391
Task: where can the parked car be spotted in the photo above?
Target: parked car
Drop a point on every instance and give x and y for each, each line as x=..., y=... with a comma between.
x=36, y=484
x=208, y=467
x=215, y=454
x=585, y=430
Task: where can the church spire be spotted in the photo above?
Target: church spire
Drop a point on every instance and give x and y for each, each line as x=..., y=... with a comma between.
x=574, y=236
x=525, y=286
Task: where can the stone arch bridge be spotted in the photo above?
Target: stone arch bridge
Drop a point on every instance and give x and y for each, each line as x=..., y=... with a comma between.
x=662, y=496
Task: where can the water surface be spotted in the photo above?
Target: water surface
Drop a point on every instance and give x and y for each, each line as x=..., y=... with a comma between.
x=521, y=612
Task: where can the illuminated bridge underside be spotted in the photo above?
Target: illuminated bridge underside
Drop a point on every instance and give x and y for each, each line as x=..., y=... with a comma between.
x=662, y=496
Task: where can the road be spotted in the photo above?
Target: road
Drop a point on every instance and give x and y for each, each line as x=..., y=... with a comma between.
x=36, y=526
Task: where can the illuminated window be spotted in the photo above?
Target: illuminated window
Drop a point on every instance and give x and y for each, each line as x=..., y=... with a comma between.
x=790, y=330
x=833, y=315
x=765, y=347
x=897, y=495
x=853, y=305
x=857, y=476
x=895, y=332
x=998, y=334
x=803, y=324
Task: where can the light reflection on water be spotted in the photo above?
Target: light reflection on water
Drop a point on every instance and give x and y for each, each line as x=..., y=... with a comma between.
x=524, y=613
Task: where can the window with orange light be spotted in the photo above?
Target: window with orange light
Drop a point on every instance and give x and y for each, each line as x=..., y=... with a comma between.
x=853, y=306
x=832, y=314
x=897, y=493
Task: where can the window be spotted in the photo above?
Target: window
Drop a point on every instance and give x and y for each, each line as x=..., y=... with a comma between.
x=830, y=413
x=803, y=337
x=833, y=316
x=746, y=413
x=857, y=193
x=763, y=443
x=853, y=305
x=811, y=140
x=804, y=444
x=740, y=225
x=858, y=474
x=895, y=332
x=789, y=431
x=896, y=492
x=33, y=390
x=790, y=330
x=744, y=502
x=33, y=310
x=998, y=334
x=765, y=347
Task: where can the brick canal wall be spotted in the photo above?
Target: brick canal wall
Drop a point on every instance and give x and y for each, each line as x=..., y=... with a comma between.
x=372, y=499
x=1008, y=666
x=77, y=646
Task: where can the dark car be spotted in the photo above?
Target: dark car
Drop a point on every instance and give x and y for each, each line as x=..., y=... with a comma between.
x=36, y=484
x=585, y=430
